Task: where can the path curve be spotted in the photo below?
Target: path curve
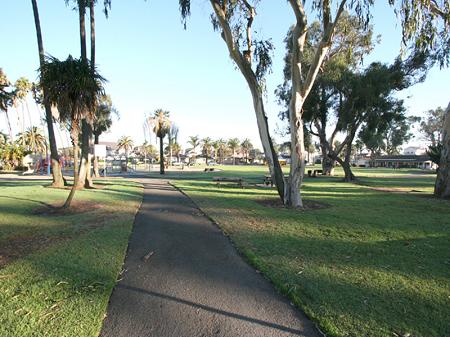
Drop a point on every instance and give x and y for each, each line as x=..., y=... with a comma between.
x=183, y=278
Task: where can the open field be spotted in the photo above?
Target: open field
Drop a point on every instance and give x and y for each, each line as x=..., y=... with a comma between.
x=57, y=271
x=369, y=263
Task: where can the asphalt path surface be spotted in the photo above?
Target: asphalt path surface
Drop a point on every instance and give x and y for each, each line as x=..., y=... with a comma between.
x=183, y=278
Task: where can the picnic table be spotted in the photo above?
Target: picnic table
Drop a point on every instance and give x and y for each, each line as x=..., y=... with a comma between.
x=268, y=180
x=237, y=180
x=314, y=173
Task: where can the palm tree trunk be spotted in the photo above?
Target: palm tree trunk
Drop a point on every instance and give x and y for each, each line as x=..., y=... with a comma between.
x=96, y=171
x=75, y=171
x=9, y=126
x=92, y=18
x=161, y=155
x=58, y=179
x=84, y=179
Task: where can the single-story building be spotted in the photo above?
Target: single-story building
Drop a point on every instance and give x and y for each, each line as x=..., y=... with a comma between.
x=405, y=161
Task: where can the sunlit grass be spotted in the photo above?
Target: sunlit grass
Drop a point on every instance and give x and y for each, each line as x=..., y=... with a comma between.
x=372, y=263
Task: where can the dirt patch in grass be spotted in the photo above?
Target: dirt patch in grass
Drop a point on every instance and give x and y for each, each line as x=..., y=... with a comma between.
x=20, y=246
x=15, y=248
x=308, y=204
x=75, y=208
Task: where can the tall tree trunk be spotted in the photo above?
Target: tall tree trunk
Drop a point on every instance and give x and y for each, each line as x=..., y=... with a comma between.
x=292, y=196
x=96, y=171
x=92, y=19
x=88, y=182
x=348, y=173
x=302, y=83
x=74, y=135
x=84, y=177
x=82, y=25
x=58, y=179
x=442, y=185
x=258, y=103
x=161, y=155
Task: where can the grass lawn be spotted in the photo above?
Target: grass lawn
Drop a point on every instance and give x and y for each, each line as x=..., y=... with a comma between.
x=372, y=263
x=61, y=268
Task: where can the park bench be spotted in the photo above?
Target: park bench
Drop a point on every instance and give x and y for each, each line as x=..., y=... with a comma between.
x=237, y=180
x=314, y=173
x=268, y=180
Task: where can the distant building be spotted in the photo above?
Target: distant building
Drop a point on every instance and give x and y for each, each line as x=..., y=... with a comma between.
x=414, y=150
x=405, y=161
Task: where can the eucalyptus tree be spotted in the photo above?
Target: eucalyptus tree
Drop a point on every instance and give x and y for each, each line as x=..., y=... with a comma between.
x=368, y=100
x=353, y=40
x=73, y=86
x=234, y=145
x=303, y=77
x=160, y=123
x=442, y=185
x=431, y=125
x=426, y=27
x=387, y=135
x=58, y=180
x=253, y=59
x=5, y=98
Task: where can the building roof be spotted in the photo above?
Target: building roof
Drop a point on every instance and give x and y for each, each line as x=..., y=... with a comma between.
x=404, y=158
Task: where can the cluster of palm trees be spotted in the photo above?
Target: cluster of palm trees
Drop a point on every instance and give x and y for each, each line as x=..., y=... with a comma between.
x=74, y=89
x=30, y=141
x=221, y=149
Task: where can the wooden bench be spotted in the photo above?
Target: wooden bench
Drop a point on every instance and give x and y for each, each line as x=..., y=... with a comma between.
x=314, y=173
x=268, y=179
x=237, y=180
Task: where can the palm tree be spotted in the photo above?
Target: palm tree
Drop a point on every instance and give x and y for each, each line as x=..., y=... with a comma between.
x=172, y=136
x=234, y=144
x=33, y=140
x=125, y=143
x=82, y=5
x=5, y=98
x=194, y=141
x=73, y=87
x=246, y=147
x=58, y=180
x=176, y=150
x=216, y=147
x=3, y=139
x=161, y=127
x=207, y=145
x=222, y=148
x=102, y=122
x=22, y=88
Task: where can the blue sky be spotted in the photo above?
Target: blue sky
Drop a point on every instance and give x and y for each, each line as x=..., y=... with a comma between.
x=151, y=62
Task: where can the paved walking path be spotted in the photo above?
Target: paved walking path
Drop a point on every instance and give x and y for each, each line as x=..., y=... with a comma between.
x=183, y=278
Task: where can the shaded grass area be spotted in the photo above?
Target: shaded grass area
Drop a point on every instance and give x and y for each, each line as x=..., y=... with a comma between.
x=373, y=264
x=62, y=287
